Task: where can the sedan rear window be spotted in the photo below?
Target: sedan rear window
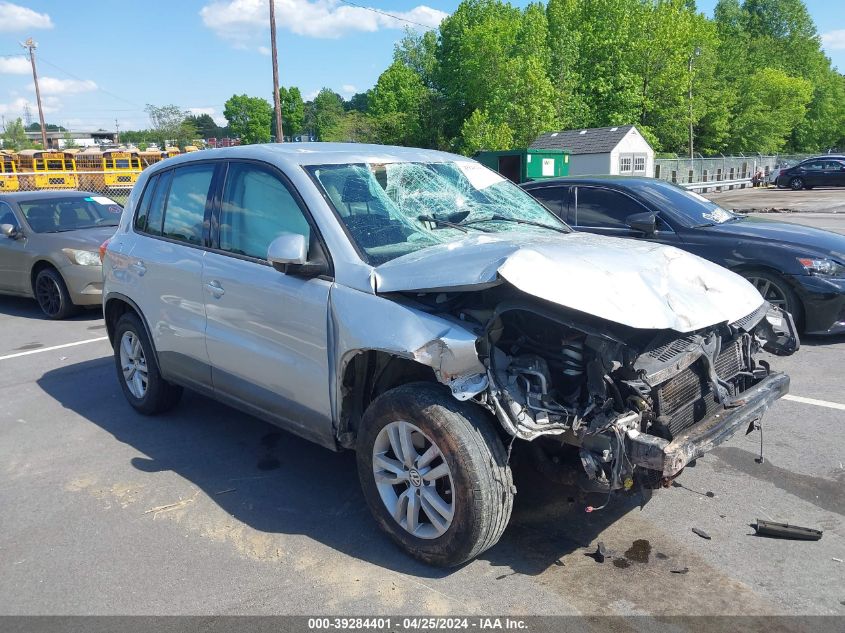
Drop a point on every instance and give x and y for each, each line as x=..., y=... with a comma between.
x=71, y=213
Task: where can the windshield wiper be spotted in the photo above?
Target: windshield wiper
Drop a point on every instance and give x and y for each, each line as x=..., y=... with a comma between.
x=504, y=218
x=461, y=226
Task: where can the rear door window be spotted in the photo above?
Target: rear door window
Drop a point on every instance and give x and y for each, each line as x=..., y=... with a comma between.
x=155, y=213
x=184, y=211
x=603, y=208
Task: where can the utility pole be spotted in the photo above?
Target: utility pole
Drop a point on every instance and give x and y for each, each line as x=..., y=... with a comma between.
x=280, y=137
x=30, y=45
x=117, y=135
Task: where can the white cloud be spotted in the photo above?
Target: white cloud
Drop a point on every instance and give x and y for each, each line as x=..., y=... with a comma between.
x=53, y=86
x=15, y=66
x=264, y=50
x=240, y=21
x=15, y=108
x=17, y=18
x=310, y=96
x=834, y=40
x=219, y=119
x=348, y=90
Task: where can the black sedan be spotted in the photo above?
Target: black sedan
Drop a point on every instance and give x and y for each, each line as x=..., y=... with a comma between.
x=822, y=171
x=797, y=267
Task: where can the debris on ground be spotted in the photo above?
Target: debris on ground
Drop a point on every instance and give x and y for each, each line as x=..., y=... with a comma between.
x=601, y=553
x=701, y=533
x=785, y=530
x=171, y=506
x=679, y=571
x=223, y=492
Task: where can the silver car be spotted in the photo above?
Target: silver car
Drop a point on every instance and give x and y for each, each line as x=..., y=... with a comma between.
x=418, y=308
x=49, y=243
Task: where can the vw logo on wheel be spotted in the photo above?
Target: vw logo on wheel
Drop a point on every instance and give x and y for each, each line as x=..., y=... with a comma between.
x=414, y=476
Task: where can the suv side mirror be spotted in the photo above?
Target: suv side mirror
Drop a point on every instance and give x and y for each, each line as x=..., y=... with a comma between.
x=645, y=222
x=287, y=249
x=10, y=231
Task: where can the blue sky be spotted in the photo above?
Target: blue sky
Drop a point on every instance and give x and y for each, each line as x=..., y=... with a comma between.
x=100, y=61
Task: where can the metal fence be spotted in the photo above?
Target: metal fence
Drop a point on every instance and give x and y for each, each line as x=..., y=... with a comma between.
x=719, y=172
x=111, y=184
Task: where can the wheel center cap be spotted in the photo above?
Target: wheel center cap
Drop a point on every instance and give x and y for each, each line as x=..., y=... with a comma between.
x=415, y=478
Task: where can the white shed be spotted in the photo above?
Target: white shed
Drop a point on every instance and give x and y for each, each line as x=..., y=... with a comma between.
x=618, y=150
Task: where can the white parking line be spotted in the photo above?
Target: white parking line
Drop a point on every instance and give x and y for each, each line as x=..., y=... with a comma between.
x=818, y=403
x=54, y=347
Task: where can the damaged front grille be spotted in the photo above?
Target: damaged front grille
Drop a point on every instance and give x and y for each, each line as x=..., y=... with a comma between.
x=688, y=398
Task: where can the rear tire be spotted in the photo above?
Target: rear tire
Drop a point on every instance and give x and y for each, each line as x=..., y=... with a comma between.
x=52, y=295
x=137, y=369
x=796, y=184
x=470, y=499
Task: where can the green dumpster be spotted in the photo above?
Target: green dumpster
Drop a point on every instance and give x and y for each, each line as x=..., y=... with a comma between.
x=522, y=165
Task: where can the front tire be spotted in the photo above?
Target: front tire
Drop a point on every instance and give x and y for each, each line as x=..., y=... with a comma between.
x=52, y=295
x=137, y=369
x=434, y=474
x=777, y=291
x=796, y=184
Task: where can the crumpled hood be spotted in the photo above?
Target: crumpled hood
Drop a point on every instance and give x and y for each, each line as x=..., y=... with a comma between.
x=638, y=284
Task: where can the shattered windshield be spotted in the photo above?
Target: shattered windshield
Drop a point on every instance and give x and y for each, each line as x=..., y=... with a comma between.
x=393, y=209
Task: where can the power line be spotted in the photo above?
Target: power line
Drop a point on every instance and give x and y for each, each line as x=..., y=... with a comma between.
x=384, y=13
x=103, y=90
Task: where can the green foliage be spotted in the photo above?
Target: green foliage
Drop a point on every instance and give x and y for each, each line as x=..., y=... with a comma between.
x=14, y=137
x=293, y=110
x=480, y=133
x=327, y=116
x=770, y=105
x=204, y=125
x=170, y=124
x=494, y=76
x=249, y=118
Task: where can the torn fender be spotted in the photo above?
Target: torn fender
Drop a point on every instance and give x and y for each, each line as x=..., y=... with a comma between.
x=359, y=321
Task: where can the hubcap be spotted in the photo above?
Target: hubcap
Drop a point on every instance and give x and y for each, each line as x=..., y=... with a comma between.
x=48, y=295
x=133, y=363
x=772, y=293
x=413, y=480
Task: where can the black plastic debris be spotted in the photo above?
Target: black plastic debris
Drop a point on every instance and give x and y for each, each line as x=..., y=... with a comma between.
x=680, y=571
x=785, y=530
x=601, y=553
x=701, y=533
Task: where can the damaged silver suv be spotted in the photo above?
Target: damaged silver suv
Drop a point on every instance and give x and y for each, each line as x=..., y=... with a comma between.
x=418, y=308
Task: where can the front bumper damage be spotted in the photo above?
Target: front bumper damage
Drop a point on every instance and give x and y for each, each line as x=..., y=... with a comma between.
x=670, y=457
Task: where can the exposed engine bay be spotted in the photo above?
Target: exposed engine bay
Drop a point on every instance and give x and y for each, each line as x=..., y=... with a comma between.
x=627, y=405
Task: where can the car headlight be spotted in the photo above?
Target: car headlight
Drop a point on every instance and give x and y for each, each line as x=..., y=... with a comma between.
x=822, y=267
x=83, y=258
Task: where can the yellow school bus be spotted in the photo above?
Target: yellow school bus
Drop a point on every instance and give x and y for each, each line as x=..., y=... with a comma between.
x=109, y=169
x=151, y=156
x=40, y=169
x=8, y=172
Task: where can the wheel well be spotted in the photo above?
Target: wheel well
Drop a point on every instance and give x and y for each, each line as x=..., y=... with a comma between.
x=40, y=265
x=365, y=377
x=116, y=308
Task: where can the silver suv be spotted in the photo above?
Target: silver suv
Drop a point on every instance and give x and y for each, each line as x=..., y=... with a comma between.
x=420, y=309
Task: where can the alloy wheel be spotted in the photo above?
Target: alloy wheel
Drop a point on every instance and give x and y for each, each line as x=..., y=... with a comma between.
x=771, y=292
x=133, y=363
x=49, y=295
x=413, y=480
x=796, y=184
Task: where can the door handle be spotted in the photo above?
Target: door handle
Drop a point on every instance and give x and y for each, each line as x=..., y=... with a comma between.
x=139, y=268
x=215, y=288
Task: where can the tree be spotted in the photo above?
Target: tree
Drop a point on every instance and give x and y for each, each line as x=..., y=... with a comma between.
x=14, y=137
x=249, y=118
x=770, y=105
x=204, y=125
x=167, y=123
x=293, y=110
x=395, y=104
x=479, y=133
x=327, y=115
x=360, y=102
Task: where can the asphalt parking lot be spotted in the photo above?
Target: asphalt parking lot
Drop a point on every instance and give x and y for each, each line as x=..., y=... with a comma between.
x=208, y=511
